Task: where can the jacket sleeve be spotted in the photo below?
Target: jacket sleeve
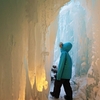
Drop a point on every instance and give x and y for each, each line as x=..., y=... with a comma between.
x=61, y=65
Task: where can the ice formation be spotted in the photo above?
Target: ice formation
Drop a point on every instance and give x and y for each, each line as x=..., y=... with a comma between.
x=72, y=28
x=28, y=29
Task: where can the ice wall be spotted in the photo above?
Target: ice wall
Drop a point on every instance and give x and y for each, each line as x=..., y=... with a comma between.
x=94, y=72
x=23, y=26
x=13, y=49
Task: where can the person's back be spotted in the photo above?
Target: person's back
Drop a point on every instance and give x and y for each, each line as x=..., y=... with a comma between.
x=65, y=64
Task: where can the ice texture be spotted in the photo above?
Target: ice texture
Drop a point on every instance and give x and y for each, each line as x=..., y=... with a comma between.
x=28, y=30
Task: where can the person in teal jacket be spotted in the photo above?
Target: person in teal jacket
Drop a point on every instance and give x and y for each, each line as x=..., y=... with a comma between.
x=64, y=72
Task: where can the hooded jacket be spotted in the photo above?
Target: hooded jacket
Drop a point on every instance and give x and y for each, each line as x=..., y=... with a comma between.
x=65, y=63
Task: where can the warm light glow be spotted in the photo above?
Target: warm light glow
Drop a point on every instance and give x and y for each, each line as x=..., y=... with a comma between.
x=41, y=82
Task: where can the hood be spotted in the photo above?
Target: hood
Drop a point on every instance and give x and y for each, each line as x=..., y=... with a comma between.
x=66, y=47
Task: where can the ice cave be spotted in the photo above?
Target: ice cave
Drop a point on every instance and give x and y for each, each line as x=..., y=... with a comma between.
x=30, y=31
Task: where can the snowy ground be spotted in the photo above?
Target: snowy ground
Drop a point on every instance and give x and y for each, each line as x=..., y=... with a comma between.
x=78, y=87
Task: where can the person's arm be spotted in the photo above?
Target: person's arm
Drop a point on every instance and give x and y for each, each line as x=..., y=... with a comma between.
x=61, y=65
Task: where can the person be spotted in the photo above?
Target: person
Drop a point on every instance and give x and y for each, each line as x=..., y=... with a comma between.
x=64, y=72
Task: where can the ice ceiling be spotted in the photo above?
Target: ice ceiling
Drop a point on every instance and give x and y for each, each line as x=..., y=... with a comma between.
x=28, y=30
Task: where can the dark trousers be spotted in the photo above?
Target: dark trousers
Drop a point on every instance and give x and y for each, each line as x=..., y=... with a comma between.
x=67, y=88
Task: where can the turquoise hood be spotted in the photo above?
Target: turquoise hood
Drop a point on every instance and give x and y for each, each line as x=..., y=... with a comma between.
x=66, y=47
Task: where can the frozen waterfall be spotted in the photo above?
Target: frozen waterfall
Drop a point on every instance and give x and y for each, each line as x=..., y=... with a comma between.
x=73, y=28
